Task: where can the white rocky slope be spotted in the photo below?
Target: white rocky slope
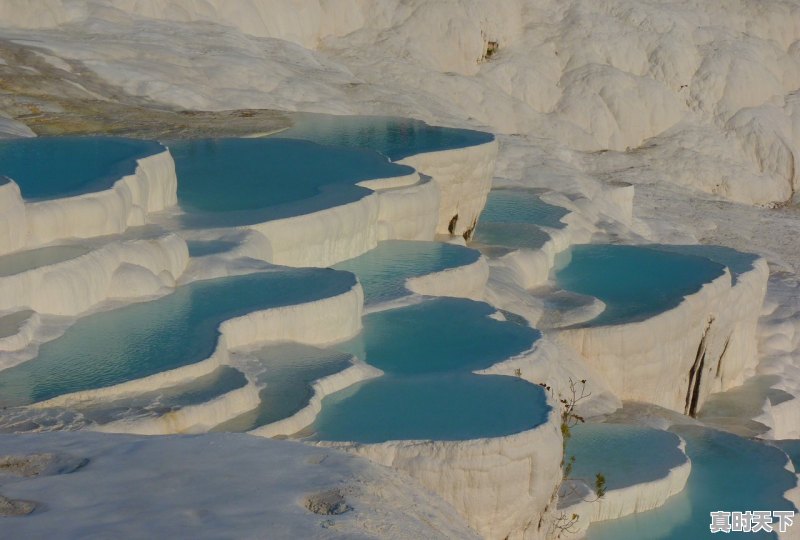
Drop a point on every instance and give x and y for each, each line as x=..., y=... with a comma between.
x=706, y=93
x=96, y=485
x=699, y=95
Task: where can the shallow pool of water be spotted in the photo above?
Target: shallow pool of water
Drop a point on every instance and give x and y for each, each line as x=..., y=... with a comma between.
x=452, y=406
x=162, y=401
x=624, y=454
x=395, y=138
x=254, y=180
x=634, y=282
x=511, y=236
x=142, y=339
x=521, y=206
x=729, y=473
x=22, y=261
x=738, y=262
x=52, y=167
x=512, y=219
x=440, y=335
x=428, y=352
x=384, y=270
x=287, y=371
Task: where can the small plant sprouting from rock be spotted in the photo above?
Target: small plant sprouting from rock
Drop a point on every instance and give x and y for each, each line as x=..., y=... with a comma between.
x=600, y=485
x=566, y=522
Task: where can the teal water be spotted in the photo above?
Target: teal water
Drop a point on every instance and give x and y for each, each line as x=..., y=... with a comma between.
x=738, y=262
x=164, y=400
x=395, y=138
x=201, y=248
x=384, y=270
x=288, y=371
x=142, y=339
x=452, y=406
x=428, y=352
x=792, y=449
x=729, y=473
x=441, y=335
x=241, y=181
x=22, y=261
x=507, y=205
x=53, y=167
x=512, y=219
x=634, y=282
x=624, y=454
x=510, y=235
x=12, y=323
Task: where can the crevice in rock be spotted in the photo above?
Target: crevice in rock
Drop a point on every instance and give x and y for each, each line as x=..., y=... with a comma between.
x=722, y=355
x=451, y=227
x=471, y=229
x=695, y=374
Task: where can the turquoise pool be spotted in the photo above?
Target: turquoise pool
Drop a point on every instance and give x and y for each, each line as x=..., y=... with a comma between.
x=22, y=261
x=624, y=454
x=428, y=352
x=792, y=449
x=452, y=406
x=395, y=138
x=738, y=262
x=729, y=473
x=507, y=205
x=240, y=181
x=162, y=401
x=512, y=219
x=142, y=339
x=287, y=371
x=510, y=235
x=634, y=282
x=53, y=167
x=384, y=270
x=440, y=335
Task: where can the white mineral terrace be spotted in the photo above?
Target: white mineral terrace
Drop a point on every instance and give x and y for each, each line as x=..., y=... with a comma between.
x=672, y=122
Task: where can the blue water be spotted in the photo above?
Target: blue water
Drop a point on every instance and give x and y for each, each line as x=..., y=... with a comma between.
x=507, y=205
x=792, y=449
x=441, y=335
x=446, y=407
x=22, y=261
x=512, y=219
x=395, y=138
x=164, y=400
x=53, y=167
x=624, y=454
x=634, y=282
x=729, y=473
x=201, y=248
x=146, y=338
x=251, y=180
x=384, y=270
x=427, y=352
x=738, y=262
x=287, y=371
x=510, y=235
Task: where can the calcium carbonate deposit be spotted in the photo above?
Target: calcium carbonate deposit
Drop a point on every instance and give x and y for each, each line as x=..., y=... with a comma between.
x=519, y=269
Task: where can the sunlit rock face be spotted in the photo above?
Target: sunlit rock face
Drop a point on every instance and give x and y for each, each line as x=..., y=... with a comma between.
x=704, y=94
x=668, y=316
x=80, y=188
x=642, y=121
